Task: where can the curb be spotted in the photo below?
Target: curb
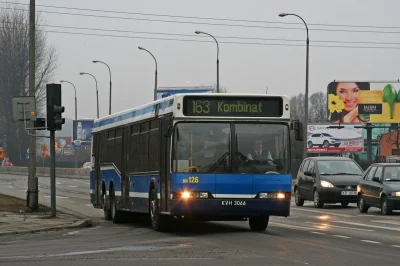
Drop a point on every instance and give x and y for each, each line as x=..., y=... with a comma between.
x=78, y=224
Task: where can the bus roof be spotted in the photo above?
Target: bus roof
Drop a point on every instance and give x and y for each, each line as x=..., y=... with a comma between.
x=164, y=106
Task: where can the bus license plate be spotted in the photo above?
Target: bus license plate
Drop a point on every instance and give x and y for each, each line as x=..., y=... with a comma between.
x=349, y=193
x=233, y=203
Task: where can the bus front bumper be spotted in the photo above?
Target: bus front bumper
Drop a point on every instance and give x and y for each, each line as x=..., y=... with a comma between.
x=230, y=207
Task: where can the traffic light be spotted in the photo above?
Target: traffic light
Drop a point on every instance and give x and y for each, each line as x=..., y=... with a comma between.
x=54, y=108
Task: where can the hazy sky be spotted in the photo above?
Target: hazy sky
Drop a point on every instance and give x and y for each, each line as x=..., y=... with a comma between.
x=243, y=67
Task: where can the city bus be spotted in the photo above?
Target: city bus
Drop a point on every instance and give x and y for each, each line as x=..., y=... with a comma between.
x=189, y=156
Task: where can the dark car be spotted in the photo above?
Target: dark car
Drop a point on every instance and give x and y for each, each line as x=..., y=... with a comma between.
x=380, y=187
x=327, y=180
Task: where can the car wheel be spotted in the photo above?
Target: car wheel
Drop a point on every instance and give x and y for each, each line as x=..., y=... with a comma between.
x=317, y=200
x=325, y=144
x=344, y=204
x=310, y=144
x=297, y=199
x=385, y=209
x=362, y=206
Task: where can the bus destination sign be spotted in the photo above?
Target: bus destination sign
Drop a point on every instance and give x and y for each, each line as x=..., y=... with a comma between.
x=232, y=106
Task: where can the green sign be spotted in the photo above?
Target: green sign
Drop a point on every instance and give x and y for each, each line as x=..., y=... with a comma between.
x=232, y=106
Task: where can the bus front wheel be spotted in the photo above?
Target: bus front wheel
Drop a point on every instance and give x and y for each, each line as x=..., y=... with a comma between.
x=158, y=221
x=259, y=223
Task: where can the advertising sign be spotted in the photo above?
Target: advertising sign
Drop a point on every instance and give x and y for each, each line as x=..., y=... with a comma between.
x=82, y=130
x=63, y=142
x=168, y=91
x=322, y=139
x=354, y=102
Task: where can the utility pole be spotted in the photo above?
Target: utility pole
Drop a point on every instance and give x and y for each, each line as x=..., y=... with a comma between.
x=32, y=196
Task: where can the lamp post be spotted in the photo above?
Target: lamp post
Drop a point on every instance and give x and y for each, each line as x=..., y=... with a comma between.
x=201, y=32
x=155, y=86
x=97, y=91
x=76, y=114
x=305, y=133
x=109, y=70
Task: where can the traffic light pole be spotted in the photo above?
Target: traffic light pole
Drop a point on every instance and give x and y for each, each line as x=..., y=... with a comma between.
x=53, y=171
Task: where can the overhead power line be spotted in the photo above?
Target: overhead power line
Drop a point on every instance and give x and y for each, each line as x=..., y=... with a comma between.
x=206, y=18
x=207, y=23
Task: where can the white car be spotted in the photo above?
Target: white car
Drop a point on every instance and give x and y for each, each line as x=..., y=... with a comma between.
x=322, y=140
x=87, y=165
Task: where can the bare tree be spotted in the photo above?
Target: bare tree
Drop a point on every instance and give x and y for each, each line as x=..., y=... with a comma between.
x=318, y=110
x=14, y=73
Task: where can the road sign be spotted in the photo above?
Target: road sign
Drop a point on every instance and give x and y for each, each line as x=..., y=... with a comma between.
x=21, y=104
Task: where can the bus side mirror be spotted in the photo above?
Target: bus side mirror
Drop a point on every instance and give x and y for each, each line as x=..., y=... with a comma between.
x=297, y=127
x=167, y=128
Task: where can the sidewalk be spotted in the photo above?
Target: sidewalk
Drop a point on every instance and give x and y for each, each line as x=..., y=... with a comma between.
x=15, y=220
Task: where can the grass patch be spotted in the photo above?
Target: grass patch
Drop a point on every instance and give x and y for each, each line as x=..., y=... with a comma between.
x=17, y=205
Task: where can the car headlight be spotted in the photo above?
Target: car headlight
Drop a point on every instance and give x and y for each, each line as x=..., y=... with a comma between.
x=326, y=184
x=396, y=194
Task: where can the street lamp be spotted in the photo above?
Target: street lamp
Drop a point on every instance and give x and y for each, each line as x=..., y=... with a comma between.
x=76, y=114
x=155, y=86
x=97, y=91
x=305, y=133
x=201, y=32
x=109, y=70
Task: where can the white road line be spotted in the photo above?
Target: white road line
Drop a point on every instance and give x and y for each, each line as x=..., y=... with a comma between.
x=292, y=226
x=318, y=233
x=342, y=236
x=322, y=212
x=7, y=186
x=60, y=197
x=395, y=246
x=58, y=183
x=344, y=227
x=89, y=205
x=73, y=186
x=367, y=225
x=80, y=181
x=369, y=241
x=387, y=222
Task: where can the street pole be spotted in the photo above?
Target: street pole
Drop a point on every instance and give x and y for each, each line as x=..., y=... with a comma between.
x=97, y=91
x=76, y=114
x=109, y=70
x=53, y=172
x=32, y=195
x=155, y=86
x=201, y=32
x=305, y=128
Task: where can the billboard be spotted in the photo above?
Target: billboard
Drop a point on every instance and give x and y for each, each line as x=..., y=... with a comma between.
x=63, y=142
x=163, y=92
x=82, y=130
x=322, y=139
x=363, y=102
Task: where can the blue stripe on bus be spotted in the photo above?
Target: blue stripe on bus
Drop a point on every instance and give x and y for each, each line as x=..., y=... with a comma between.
x=132, y=114
x=91, y=181
x=108, y=175
x=141, y=184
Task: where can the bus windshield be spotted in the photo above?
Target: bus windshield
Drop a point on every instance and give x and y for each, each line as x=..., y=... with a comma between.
x=207, y=147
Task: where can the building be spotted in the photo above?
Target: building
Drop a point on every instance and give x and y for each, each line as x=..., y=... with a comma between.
x=389, y=143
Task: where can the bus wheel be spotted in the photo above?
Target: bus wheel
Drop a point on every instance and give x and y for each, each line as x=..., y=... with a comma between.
x=158, y=221
x=106, y=209
x=259, y=223
x=115, y=214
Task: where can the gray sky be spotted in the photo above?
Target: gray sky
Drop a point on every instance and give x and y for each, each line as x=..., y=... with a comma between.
x=243, y=68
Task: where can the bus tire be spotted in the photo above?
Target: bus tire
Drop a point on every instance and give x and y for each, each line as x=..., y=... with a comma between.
x=158, y=221
x=116, y=216
x=259, y=223
x=106, y=209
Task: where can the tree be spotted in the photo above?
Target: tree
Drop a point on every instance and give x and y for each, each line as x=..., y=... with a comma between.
x=318, y=110
x=14, y=73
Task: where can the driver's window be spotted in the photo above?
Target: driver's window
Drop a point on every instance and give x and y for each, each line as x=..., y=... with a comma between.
x=311, y=167
x=378, y=173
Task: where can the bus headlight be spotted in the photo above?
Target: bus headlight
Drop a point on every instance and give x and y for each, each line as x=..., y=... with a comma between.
x=272, y=195
x=191, y=195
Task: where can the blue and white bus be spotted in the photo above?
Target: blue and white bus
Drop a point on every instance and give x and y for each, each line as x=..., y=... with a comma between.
x=191, y=156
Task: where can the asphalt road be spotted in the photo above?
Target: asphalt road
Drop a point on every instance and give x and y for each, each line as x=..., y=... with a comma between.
x=329, y=236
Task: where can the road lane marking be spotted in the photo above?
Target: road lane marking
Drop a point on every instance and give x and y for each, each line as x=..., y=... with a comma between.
x=395, y=246
x=318, y=233
x=322, y=212
x=87, y=183
x=342, y=236
x=386, y=222
x=292, y=226
x=58, y=183
x=372, y=242
x=344, y=227
x=367, y=225
x=7, y=186
x=73, y=186
x=89, y=205
x=60, y=197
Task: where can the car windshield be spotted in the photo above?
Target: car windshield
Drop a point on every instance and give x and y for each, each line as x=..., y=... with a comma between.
x=206, y=147
x=339, y=167
x=391, y=173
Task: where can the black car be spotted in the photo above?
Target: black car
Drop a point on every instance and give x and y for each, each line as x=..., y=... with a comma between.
x=327, y=180
x=380, y=187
